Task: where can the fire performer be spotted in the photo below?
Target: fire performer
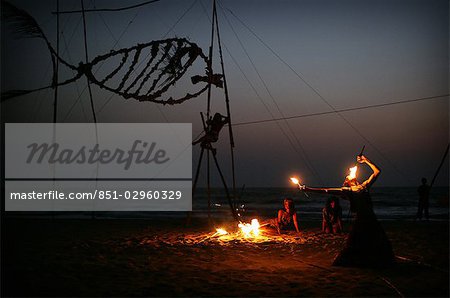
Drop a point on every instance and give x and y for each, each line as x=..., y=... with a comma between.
x=367, y=244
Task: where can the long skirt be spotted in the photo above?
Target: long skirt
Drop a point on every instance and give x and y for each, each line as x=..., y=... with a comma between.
x=367, y=246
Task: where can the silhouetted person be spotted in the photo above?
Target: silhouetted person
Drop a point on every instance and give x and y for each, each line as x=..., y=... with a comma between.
x=367, y=244
x=332, y=216
x=213, y=127
x=424, y=194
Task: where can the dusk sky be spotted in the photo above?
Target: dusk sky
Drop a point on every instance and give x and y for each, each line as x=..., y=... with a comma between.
x=353, y=53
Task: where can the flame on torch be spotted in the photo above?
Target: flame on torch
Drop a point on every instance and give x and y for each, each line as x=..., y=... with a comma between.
x=295, y=180
x=352, y=174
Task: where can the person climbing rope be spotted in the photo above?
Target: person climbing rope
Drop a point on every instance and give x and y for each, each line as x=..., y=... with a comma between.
x=213, y=127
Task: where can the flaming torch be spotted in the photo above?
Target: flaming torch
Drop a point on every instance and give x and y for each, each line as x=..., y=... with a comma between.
x=295, y=181
x=352, y=173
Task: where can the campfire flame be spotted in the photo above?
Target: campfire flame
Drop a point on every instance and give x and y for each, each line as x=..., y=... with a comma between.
x=221, y=231
x=352, y=174
x=250, y=229
x=295, y=180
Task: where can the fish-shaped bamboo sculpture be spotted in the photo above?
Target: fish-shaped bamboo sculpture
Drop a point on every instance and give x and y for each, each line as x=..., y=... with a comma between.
x=165, y=62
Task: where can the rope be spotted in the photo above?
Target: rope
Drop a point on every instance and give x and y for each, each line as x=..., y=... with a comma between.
x=259, y=97
x=391, y=285
x=87, y=61
x=37, y=106
x=227, y=102
x=90, y=97
x=321, y=97
x=106, y=9
x=342, y=110
x=439, y=167
x=210, y=57
x=56, y=69
x=116, y=43
x=69, y=58
x=173, y=70
x=164, y=36
x=303, y=152
x=120, y=37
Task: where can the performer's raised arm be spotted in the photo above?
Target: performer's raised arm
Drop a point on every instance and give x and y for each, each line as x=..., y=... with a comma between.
x=376, y=171
x=350, y=183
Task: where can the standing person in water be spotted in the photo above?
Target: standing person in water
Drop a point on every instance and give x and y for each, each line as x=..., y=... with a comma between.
x=286, y=218
x=367, y=244
x=332, y=216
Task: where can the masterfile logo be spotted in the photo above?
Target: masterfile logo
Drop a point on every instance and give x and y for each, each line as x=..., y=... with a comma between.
x=105, y=150
x=139, y=152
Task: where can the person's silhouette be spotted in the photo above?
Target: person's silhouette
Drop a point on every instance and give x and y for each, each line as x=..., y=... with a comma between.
x=424, y=193
x=213, y=128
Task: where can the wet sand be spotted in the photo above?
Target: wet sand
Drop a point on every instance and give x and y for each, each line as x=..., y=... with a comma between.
x=166, y=257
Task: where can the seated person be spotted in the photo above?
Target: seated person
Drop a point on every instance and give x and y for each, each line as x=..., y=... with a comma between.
x=332, y=216
x=287, y=218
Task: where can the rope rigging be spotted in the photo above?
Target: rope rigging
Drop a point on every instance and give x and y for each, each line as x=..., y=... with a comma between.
x=302, y=152
x=98, y=69
x=171, y=29
x=106, y=9
x=170, y=59
x=343, y=110
x=213, y=125
x=86, y=56
x=227, y=104
x=334, y=110
x=166, y=62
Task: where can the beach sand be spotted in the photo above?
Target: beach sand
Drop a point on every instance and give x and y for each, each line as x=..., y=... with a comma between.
x=166, y=257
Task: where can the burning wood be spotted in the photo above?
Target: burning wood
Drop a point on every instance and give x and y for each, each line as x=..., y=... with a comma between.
x=247, y=231
x=221, y=231
x=251, y=229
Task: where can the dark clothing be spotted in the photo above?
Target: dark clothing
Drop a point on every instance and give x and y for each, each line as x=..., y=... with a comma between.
x=331, y=218
x=287, y=222
x=424, y=193
x=367, y=244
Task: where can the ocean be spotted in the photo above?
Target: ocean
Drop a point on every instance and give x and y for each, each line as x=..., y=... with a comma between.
x=390, y=203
